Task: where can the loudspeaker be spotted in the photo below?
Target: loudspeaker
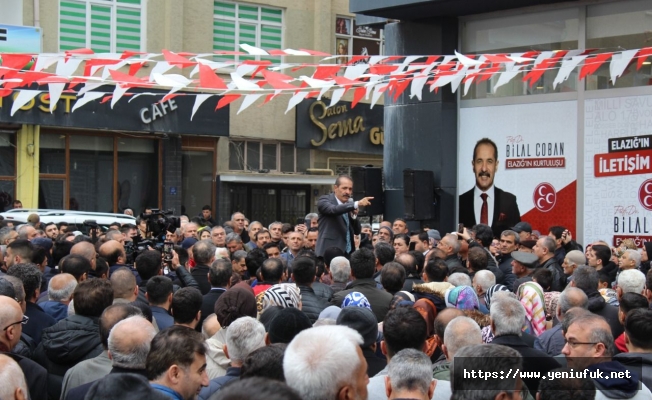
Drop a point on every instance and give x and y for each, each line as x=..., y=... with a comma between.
x=419, y=194
x=368, y=182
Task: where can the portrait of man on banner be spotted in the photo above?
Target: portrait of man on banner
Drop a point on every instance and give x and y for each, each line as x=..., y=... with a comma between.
x=485, y=203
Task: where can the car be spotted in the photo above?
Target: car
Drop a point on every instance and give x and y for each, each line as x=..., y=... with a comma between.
x=75, y=219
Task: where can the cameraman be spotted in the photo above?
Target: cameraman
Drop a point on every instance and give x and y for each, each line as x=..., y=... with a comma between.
x=149, y=264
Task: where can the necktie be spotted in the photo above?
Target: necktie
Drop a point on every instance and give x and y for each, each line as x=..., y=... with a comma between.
x=348, y=236
x=484, y=211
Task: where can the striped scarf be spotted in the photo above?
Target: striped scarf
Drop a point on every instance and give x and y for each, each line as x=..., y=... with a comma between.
x=531, y=296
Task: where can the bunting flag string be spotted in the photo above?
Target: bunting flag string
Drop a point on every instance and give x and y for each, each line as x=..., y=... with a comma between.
x=110, y=76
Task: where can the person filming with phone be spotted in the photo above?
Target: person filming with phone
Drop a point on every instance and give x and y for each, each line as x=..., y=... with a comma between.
x=338, y=221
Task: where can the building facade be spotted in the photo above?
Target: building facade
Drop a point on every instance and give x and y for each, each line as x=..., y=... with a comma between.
x=264, y=162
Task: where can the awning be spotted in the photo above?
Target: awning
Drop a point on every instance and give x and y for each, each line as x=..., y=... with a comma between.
x=280, y=179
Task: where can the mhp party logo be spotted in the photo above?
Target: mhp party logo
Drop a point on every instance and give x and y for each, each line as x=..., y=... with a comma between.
x=645, y=194
x=545, y=197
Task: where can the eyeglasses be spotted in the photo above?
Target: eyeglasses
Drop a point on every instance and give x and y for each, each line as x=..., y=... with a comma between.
x=574, y=344
x=22, y=321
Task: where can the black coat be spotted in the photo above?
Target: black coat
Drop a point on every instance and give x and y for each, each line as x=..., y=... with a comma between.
x=598, y=306
x=36, y=376
x=379, y=299
x=506, y=267
x=79, y=392
x=504, y=204
x=64, y=345
x=311, y=304
x=533, y=360
x=38, y=320
x=332, y=226
x=208, y=304
x=558, y=277
x=200, y=274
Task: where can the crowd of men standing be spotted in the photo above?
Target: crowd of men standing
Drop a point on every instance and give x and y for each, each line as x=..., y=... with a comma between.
x=328, y=309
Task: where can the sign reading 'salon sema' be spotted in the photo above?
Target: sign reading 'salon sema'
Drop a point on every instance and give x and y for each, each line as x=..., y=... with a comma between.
x=340, y=128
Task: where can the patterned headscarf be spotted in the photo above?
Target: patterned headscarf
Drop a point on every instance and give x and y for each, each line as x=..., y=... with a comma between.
x=284, y=295
x=356, y=299
x=428, y=311
x=552, y=299
x=530, y=294
x=492, y=290
x=462, y=297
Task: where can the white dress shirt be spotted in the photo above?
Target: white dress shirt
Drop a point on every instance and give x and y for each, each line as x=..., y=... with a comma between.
x=477, y=204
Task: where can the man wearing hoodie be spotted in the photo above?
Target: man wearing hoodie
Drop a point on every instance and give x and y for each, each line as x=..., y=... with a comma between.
x=638, y=331
x=590, y=346
x=76, y=337
x=586, y=278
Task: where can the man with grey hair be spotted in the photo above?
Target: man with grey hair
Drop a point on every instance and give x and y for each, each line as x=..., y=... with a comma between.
x=482, y=281
x=128, y=346
x=234, y=242
x=339, y=373
x=509, y=241
x=489, y=359
x=13, y=385
x=340, y=273
x=60, y=289
x=312, y=220
x=218, y=236
x=409, y=376
x=460, y=279
x=630, y=281
x=631, y=259
x=572, y=260
x=590, y=345
x=450, y=245
x=586, y=279
x=276, y=234
x=7, y=235
x=460, y=332
x=203, y=253
x=507, y=318
x=545, y=252
x=552, y=341
x=26, y=232
x=244, y=336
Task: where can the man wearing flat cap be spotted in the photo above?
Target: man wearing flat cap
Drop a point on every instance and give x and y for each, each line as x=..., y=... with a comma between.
x=523, y=266
x=524, y=230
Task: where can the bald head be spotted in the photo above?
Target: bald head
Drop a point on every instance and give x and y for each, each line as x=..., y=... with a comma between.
x=123, y=283
x=13, y=385
x=10, y=314
x=571, y=297
x=443, y=318
x=112, y=315
x=129, y=342
x=460, y=332
x=113, y=252
x=61, y=287
x=86, y=250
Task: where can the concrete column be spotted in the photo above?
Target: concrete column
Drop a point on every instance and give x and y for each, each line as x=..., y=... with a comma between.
x=27, y=165
x=421, y=134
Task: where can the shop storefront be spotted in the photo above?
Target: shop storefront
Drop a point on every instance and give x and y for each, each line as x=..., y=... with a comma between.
x=140, y=153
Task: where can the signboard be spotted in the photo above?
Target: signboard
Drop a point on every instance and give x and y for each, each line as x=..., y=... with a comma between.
x=20, y=39
x=144, y=113
x=340, y=128
x=618, y=167
x=537, y=146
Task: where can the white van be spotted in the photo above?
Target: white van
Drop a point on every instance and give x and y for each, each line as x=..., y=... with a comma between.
x=75, y=219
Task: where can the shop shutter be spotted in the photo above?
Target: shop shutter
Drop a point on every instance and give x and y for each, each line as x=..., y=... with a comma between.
x=72, y=25
x=128, y=26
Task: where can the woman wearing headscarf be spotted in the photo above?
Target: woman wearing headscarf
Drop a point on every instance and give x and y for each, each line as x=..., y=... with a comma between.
x=236, y=302
x=551, y=301
x=286, y=295
x=530, y=294
x=462, y=297
x=428, y=311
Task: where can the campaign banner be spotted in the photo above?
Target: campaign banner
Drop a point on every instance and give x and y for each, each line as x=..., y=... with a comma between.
x=537, y=163
x=618, y=164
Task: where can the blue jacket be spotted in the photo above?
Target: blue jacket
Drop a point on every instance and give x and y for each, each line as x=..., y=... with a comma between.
x=55, y=309
x=216, y=384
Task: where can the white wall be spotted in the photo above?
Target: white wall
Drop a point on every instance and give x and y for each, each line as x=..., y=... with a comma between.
x=12, y=12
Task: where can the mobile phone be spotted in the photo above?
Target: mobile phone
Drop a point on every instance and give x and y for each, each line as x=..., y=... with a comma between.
x=413, y=246
x=460, y=228
x=301, y=221
x=167, y=250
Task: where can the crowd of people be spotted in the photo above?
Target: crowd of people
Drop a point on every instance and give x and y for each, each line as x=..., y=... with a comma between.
x=239, y=310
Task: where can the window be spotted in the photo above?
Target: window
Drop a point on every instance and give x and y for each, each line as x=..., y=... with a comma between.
x=102, y=25
x=256, y=156
x=542, y=31
x=616, y=26
x=236, y=24
x=352, y=39
x=7, y=169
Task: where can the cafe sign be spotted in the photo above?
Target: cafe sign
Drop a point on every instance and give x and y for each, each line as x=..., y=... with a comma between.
x=339, y=128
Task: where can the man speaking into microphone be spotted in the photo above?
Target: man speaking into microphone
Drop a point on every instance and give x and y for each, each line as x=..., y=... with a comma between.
x=338, y=221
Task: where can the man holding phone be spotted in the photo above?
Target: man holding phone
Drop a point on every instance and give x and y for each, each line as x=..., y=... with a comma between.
x=338, y=221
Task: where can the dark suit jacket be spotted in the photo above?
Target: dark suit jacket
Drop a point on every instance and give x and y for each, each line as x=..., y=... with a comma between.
x=332, y=227
x=208, y=304
x=200, y=273
x=504, y=203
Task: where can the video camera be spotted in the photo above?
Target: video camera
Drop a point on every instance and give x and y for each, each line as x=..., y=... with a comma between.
x=158, y=222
